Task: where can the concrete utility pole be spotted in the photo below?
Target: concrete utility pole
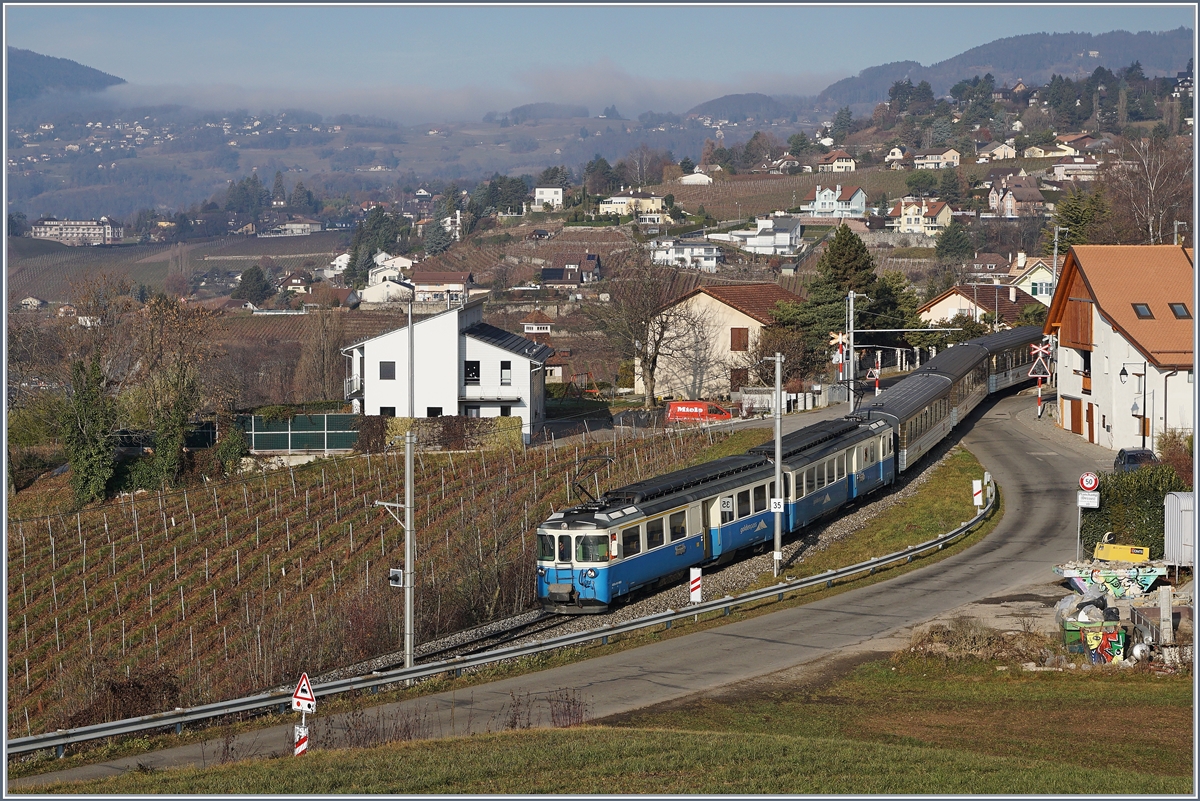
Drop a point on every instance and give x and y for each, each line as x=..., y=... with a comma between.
x=778, y=555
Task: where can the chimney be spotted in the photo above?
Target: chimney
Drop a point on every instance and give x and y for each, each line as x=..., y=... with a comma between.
x=1020, y=259
x=1012, y=294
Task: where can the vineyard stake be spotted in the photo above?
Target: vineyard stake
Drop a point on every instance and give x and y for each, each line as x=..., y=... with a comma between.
x=156, y=656
x=226, y=531
x=54, y=590
x=206, y=566
x=117, y=596
x=176, y=551
x=150, y=592
x=334, y=574
x=114, y=559
x=318, y=535
x=142, y=550
x=313, y=604
x=78, y=528
x=186, y=505
x=288, y=526
x=216, y=621
x=182, y=609
x=237, y=555
x=91, y=650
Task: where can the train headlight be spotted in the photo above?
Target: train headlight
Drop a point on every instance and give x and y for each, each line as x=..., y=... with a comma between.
x=542, y=571
x=591, y=572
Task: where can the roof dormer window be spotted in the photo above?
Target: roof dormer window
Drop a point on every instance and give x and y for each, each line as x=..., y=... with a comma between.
x=1180, y=310
x=1142, y=310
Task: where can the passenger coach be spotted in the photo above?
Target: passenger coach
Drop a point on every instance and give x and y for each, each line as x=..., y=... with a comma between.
x=595, y=554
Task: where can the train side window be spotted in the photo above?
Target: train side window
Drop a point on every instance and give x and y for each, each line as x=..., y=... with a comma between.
x=654, y=533
x=678, y=526
x=760, y=497
x=820, y=476
x=545, y=547
x=727, y=515
x=841, y=466
x=564, y=547
x=829, y=472
x=631, y=541
x=787, y=485
x=743, y=503
x=810, y=480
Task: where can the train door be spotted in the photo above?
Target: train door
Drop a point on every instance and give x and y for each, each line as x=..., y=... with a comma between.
x=710, y=517
x=696, y=517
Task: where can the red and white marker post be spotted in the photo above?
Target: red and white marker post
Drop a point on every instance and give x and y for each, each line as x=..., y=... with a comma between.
x=303, y=701
x=1039, y=370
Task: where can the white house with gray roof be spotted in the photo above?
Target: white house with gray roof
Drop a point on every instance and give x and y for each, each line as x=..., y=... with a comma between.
x=462, y=366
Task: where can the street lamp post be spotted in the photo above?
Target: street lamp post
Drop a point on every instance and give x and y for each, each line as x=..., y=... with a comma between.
x=1124, y=376
x=1177, y=224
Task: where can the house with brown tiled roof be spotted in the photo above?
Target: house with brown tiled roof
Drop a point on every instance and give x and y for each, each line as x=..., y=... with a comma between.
x=727, y=321
x=836, y=161
x=536, y=326
x=987, y=267
x=1001, y=304
x=1035, y=275
x=919, y=216
x=1123, y=316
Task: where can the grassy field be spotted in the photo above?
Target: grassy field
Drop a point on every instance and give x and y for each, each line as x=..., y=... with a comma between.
x=900, y=725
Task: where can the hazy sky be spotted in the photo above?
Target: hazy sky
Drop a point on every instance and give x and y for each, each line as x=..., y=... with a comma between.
x=425, y=63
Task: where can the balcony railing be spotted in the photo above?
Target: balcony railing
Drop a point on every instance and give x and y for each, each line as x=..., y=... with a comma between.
x=354, y=386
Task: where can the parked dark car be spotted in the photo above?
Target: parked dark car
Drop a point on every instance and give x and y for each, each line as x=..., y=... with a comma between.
x=1130, y=459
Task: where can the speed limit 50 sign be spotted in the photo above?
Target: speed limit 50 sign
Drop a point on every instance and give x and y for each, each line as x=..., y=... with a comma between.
x=1089, y=481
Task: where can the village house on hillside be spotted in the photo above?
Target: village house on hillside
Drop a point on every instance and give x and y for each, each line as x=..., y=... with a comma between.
x=727, y=321
x=462, y=367
x=836, y=161
x=1002, y=304
x=835, y=201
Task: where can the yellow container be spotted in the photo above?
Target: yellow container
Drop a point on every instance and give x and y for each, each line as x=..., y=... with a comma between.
x=1122, y=553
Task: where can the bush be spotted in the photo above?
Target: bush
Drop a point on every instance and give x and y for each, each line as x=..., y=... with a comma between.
x=1131, y=507
x=1175, y=449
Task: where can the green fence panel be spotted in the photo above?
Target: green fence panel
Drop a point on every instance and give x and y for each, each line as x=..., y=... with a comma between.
x=261, y=424
x=308, y=440
x=269, y=442
x=306, y=422
x=341, y=440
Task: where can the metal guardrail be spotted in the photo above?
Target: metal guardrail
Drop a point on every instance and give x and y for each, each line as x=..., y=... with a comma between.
x=180, y=716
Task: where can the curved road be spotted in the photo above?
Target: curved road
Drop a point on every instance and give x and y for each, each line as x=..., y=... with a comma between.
x=1036, y=466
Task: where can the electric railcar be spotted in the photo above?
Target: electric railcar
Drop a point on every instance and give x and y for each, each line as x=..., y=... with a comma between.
x=595, y=554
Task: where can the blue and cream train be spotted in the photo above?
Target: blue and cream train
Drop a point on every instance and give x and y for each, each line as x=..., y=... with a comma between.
x=595, y=554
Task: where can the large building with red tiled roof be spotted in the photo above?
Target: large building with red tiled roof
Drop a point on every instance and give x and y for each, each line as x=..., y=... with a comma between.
x=716, y=334
x=1123, y=317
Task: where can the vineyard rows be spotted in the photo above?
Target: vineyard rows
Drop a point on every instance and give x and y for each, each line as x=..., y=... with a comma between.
x=765, y=194
x=239, y=586
x=50, y=276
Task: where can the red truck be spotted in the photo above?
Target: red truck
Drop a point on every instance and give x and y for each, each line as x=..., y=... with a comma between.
x=696, y=412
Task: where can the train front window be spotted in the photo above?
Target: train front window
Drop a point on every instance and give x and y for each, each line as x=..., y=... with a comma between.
x=564, y=547
x=545, y=547
x=654, y=533
x=631, y=541
x=591, y=548
x=678, y=527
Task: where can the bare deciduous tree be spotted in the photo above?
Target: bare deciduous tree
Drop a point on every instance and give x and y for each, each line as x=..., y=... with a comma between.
x=319, y=374
x=642, y=320
x=1149, y=183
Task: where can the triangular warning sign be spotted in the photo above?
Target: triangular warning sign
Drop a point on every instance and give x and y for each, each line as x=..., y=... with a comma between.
x=303, y=698
x=1039, y=369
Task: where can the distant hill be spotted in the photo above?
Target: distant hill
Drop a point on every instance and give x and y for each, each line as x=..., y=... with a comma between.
x=546, y=111
x=31, y=74
x=759, y=106
x=1033, y=58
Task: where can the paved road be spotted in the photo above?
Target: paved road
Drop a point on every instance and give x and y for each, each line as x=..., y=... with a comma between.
x=1036, y=466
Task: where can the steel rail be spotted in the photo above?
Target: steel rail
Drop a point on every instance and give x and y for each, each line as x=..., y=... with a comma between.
x=178, y=717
